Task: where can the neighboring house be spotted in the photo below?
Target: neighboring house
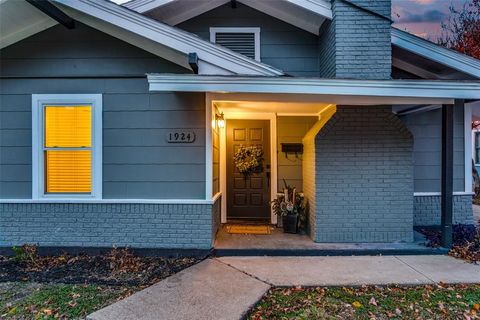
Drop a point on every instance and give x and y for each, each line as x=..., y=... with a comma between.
x=109, y=120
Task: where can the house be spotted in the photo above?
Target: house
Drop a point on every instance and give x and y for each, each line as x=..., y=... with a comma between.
x=118, y=124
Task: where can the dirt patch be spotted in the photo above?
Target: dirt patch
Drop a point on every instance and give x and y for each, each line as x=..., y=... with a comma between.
x=119, y=268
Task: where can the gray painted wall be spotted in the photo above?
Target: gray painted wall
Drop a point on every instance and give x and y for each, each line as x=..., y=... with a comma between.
x=363, y=177
x=138, y=163
x=356, y=44
x=426, y=128
x=291, y=130
x=284, y=46
x=427, y=210
x=187, y=226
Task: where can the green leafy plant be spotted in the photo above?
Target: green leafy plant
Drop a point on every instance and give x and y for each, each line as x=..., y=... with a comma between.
x=28, y=253
x=295, y=204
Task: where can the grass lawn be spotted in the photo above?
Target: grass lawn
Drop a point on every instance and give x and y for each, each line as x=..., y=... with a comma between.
x=71, y=287
x=22, y=300
x=421, y=302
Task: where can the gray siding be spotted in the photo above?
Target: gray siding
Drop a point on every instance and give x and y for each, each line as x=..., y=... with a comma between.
x=138, y=163
x=291, y=130
x=426, y=128
x=363, y=177
x=82, y=51
x=283, y=46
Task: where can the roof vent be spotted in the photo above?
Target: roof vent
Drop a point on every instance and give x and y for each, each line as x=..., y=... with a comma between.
x=245, y=41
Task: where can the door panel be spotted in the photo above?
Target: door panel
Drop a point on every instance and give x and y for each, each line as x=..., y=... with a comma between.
x=248, y=198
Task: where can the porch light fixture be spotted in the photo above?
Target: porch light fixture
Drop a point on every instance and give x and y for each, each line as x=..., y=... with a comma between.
x=220, y=120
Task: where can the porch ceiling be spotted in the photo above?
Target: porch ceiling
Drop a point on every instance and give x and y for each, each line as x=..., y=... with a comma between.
x=280, y=108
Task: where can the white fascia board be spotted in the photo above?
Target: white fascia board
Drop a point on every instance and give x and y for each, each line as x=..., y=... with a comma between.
x=320, y=7
x=184, y=42
x=142, y=6
x=332, y=87
x=195, y=10
x=434, y=52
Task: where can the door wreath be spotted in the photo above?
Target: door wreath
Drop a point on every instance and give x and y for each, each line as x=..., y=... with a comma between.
x=248, y=160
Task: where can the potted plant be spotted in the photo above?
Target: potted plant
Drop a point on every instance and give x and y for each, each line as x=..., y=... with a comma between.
x=290, y=207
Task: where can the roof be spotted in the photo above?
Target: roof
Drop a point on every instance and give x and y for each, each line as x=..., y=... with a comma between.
x=434, y=52
x=158, y=38
x=308, y=15
x=19, y=20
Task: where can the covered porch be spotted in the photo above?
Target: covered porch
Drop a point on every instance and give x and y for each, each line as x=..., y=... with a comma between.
x=317, y=104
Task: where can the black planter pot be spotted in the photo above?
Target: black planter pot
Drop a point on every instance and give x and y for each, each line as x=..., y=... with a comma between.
x=290, y=223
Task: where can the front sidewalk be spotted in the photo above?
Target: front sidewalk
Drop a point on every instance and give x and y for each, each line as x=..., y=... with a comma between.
x=226, y=288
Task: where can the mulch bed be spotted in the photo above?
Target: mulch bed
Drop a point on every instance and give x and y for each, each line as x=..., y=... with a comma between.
x=466, y=242
x=119, y=267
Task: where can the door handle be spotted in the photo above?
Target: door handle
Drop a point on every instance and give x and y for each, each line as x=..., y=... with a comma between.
x=267, y=172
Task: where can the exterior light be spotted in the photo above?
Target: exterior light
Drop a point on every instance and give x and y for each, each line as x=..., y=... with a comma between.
x=220, y=120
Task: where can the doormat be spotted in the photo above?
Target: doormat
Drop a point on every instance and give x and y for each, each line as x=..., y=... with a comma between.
x=242, y=229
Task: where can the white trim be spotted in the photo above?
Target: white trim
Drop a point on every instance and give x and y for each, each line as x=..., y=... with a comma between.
x=420, y=109
x=447, y=90
x=216, y=196
x=434, y=52
x=114, y=201
x=161, y=39
x=273, y=157
x=208, y=148
x=254, y=30
x=467, y=121
x=433, y=194
x=38, y=103
x=321, y=7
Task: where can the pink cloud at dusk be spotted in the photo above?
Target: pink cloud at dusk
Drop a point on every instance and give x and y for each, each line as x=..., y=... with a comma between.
x=423, y=17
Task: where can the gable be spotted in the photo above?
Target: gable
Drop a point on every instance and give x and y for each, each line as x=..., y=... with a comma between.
x=79, y=52
x=308, y=15
x=282, y=45
x=160, y=39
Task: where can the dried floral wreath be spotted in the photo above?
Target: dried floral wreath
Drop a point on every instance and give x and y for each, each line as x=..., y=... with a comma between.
x=249, y=160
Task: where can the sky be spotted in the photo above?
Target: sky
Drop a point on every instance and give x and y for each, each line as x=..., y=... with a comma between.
x=420, y=17
x=423, y=17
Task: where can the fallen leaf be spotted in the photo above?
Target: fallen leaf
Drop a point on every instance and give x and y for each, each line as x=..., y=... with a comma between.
x=373, y=302
x=356, y=304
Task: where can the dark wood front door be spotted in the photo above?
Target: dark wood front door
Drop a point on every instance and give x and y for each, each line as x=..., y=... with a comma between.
x=248, y=197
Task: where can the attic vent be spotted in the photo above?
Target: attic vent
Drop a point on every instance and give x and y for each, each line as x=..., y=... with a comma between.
x=245, y=41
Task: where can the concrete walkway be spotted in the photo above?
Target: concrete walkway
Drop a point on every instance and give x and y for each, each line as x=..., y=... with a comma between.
x=226, y=288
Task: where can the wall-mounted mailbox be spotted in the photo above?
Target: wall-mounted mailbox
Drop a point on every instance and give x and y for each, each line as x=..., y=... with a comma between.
x=296, y=148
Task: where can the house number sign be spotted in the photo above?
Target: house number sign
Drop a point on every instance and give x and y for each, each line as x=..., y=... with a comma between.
x=180, y=136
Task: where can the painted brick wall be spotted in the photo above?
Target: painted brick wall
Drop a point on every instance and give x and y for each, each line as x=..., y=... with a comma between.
x=427, y=210
x=358, y=42
x=364, y=177
x=106, y=225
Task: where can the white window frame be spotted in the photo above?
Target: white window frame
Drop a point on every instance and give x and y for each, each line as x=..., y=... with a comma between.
x=254, y=30
x=39, y=101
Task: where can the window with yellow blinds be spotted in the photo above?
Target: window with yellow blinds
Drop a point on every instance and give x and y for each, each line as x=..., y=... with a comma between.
x=68, y=148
